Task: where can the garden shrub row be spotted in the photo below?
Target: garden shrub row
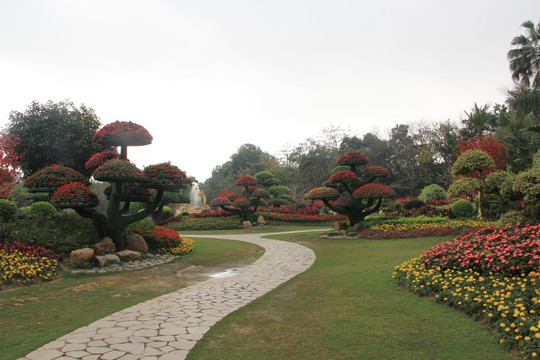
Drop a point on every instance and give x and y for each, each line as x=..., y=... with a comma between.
x=490, y=274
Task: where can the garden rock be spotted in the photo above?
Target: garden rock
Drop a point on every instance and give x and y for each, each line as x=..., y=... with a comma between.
x=136, y=242
x=129, y=254
x=83, y=255
x=357, y=227
x=246, y=224
x=340, y=225
x=105, y=246
x=260, y=220
x=107, y=259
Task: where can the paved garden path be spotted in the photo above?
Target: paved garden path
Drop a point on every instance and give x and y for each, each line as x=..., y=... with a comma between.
x=168, y=326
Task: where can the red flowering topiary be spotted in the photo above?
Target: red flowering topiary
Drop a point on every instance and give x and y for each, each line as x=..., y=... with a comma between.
x=343, y=201
x=132, y=192
x=52, y=177
x=375, y=171
x=246, y=181
x=74, y=195
x=342, y=176
x=118, y=170
x=241, y=202
x=220, y=201
x=125, y=133
x=494, y=147
x=100, y=158
x=323, y=192
x=372, y=191
x=165, y=175
x=352, y=158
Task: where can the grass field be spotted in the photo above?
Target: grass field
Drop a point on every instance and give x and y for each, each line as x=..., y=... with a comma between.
x=346, y=306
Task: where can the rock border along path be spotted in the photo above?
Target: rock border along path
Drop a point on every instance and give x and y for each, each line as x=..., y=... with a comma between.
x=168, y=326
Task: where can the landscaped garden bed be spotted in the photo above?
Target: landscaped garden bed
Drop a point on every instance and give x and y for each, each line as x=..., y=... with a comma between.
x=492, y=275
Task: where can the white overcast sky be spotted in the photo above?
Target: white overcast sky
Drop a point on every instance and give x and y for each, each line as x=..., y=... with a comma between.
x=205, y=77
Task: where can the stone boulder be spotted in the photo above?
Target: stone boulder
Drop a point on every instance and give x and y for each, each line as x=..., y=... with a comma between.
x=260, y=220
x=105, y=246
x=136, y=242
x=340, y=225
x=83, y=255
x=129, y=254
x=107, y=259
x=246, y=224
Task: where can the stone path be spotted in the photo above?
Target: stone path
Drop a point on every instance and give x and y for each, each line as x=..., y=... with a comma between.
x=168, y=326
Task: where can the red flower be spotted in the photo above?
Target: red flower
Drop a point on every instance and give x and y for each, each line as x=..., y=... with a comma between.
x=375, y=171
x=100, y=158
x=323, y=192
x=123, y=133
x=74, y=194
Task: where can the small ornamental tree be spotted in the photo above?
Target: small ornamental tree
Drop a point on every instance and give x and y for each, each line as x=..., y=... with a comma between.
x=473, y=164
x=279, y=194
x=9, y=163
x=245, y=205
x=128, y=184
x=352, y=191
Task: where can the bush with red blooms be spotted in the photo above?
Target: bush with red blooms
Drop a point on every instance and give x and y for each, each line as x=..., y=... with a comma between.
x=52, y=177
x=100, y=158
x=492, y=146
x=9, y=163
x=74, y=194
x=165, y=174
x=120, y=132
x=512, y=250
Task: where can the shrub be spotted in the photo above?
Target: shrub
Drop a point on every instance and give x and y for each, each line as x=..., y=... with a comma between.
x=42, y=209
x=8, y=209
x=414, y=204
x=63, y=232
x=212, y=223
x=462, y=208
x=166, y=212
x=432, y=192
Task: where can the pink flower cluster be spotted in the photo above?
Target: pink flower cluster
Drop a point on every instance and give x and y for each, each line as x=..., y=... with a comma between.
x=509, y=250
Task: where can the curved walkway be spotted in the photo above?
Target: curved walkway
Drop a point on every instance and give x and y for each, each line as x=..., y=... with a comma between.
x=168, y=326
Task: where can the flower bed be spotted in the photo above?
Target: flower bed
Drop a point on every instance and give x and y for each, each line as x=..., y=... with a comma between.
x=164, y=240
x=491, y=275
x=210, y=214
x=212, y=223
x=184, y=247
x=22, y=264
x=303, y=218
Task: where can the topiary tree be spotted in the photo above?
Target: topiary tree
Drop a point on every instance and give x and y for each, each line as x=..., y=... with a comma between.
x=128, y=184
x=477, y=164
x=279, y=194
x=353, y=192
x=244, y=205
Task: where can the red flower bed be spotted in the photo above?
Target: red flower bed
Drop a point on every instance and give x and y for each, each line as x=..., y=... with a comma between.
x=210, y=214
x=29, y=250
x=159, y=237
x=303, y=219
x=509, y=250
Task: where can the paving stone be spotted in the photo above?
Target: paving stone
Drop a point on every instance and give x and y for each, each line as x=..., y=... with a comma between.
x=168, y=326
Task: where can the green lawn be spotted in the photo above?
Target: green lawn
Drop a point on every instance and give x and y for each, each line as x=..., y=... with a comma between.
x=347, y=306
x=34, y=315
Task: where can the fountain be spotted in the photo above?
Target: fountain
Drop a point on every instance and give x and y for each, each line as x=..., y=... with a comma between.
x=195, y=198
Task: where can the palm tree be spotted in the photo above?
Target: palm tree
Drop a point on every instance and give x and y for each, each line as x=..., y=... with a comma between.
x=525, y=57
